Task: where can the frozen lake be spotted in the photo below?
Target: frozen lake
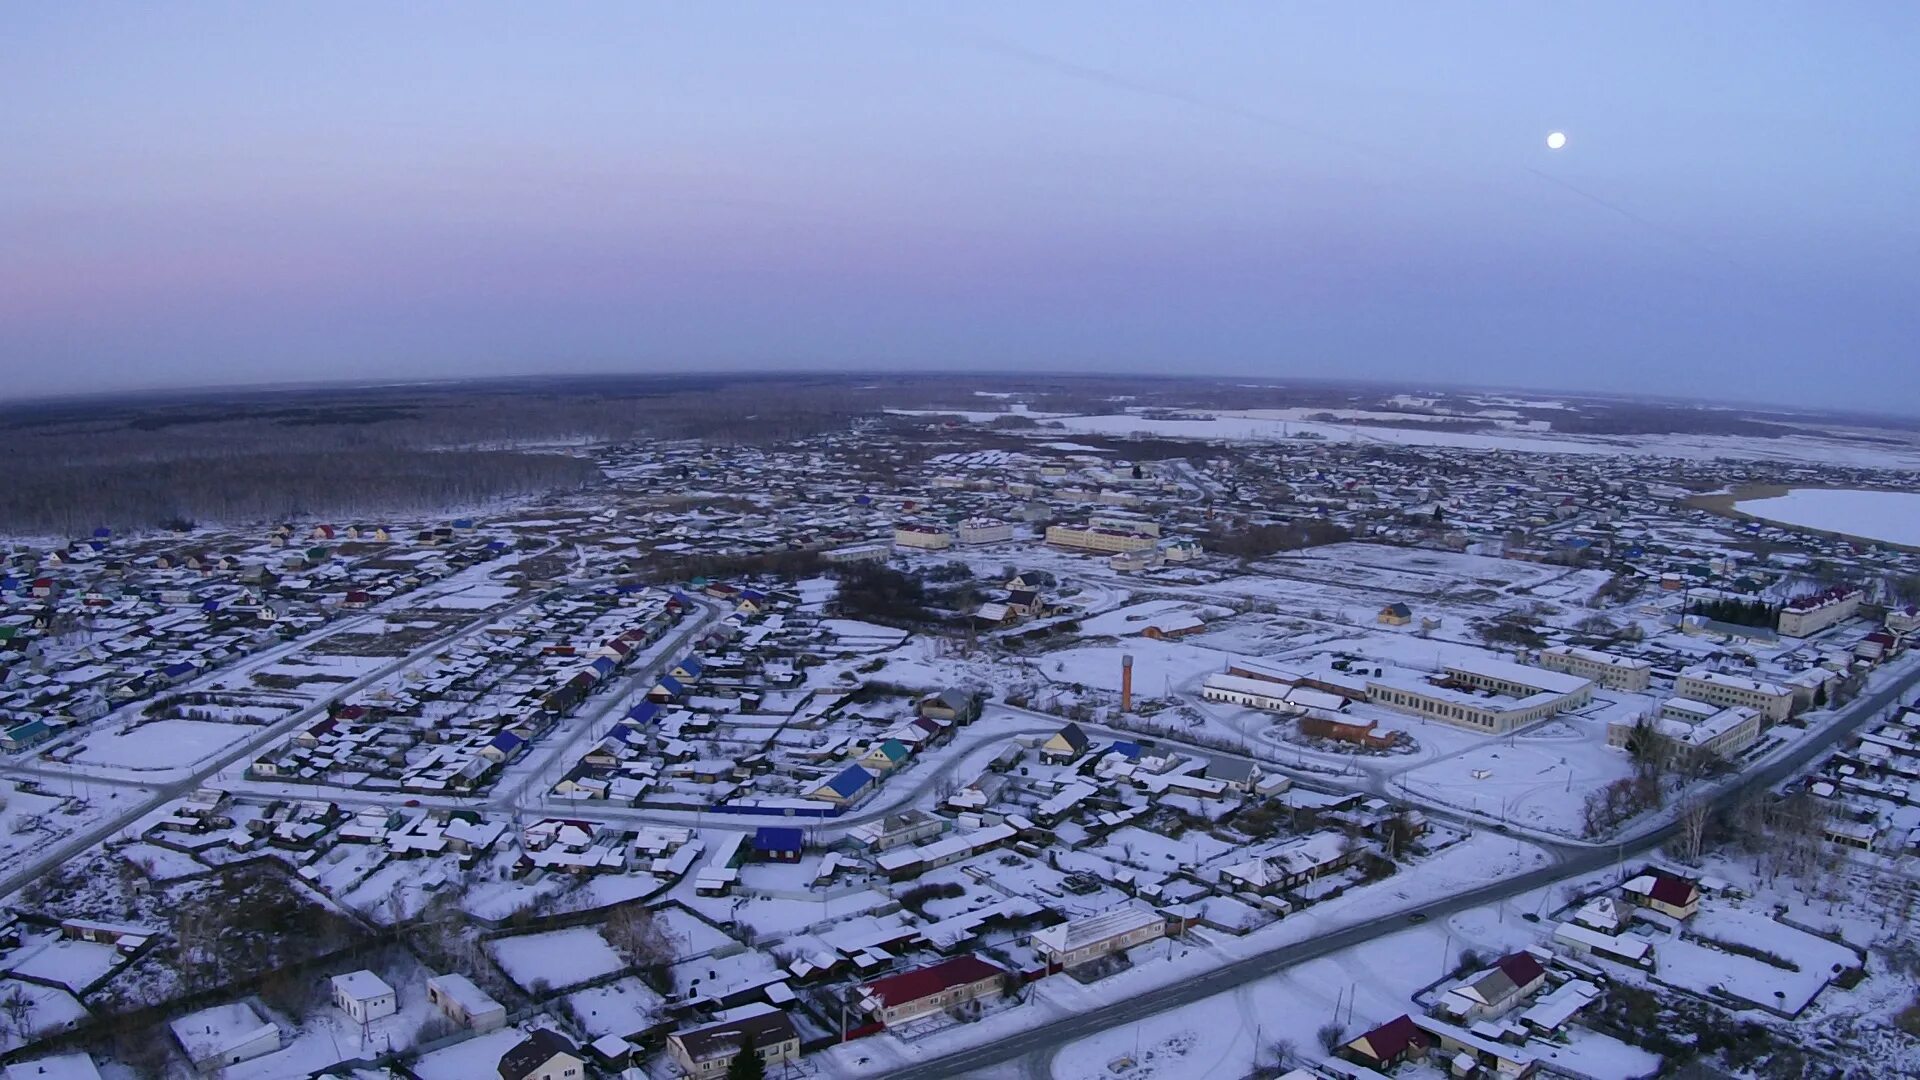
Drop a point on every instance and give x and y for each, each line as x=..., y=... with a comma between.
x=1893, y=516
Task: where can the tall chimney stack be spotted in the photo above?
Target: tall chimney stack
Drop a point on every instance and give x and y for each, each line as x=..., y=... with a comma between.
x=1126, y=682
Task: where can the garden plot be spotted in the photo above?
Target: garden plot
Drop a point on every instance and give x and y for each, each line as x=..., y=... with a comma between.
x=54, y=958
x=50, y=1010
x=162, y=744
x=1715, y=963
x=624, y=1008
x=471, y=598
x=560, y=958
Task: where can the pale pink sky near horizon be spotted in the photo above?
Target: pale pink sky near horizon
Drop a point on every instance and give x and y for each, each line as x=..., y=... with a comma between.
x=232, y=193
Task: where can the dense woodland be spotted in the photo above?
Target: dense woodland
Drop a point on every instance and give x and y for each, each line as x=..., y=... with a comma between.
x=340, y=453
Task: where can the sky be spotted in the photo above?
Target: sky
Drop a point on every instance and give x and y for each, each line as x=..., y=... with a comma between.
x=214, y=193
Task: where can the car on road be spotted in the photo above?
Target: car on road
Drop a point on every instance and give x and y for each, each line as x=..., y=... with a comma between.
x=1417, y=917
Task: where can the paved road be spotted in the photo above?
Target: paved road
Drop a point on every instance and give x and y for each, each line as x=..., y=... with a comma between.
x=1575, y=862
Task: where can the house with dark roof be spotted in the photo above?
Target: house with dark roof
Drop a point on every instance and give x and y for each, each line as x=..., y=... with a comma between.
x=954, y=705
x=778, y=843
x=1393, y=1042
x=1493, y=993
x=1396, y=614
x=1067, y=743
x=503, y=747
x=708, y=1051
x=1665, y=893
x=909, y=995
x=668, y=689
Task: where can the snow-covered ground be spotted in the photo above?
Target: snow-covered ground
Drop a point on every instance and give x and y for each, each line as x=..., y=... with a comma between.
x=561, y=958
x=162, y=744
x=1893, y=516
x=1254, y=426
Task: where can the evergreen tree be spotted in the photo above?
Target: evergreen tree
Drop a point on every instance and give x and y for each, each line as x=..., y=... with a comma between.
x=747, y=1064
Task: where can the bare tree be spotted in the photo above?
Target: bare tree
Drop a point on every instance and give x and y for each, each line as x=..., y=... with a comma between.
x=17, y=1007
x=1690, y=842
x=1329, y=1035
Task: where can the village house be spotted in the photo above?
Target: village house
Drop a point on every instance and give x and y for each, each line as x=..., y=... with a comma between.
x=1090, y=937
x=543, y=1055
x=949, y=984
x=844, y=787
x=1065, y=745
x=1395, y=614
x=1393, y=1042
x=363, y=996
x=709, y=1050
x=1665, y=893
x=224, y=1035
x=1493, y=993
x=952, y=705
x=464, y=1003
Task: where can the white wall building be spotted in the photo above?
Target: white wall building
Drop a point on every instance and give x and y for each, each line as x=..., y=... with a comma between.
x=985, y=531
x=1804, y=616
x=464, y=1003
x=930, y=537
x=363, y=996
x=1773, y=701
x=1616, y=672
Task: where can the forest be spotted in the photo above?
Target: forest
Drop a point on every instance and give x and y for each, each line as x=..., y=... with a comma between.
x=237, y=457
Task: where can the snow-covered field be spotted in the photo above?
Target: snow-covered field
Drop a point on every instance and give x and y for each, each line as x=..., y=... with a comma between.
x=1256, y=426
x=561, y=958
x=163, y=744
x=1893, y=516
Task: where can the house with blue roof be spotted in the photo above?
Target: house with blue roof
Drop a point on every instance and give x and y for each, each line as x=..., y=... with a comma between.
x=602, y=667
x=845, y=786
x=644, y=713
x=667, y=689
x=1128, y=750
x=503, y=747
x=31, y=733
x=778, y=843
x=688, y=669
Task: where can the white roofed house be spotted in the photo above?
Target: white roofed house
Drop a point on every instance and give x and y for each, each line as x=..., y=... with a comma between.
x=465, y=1003
x=363, y=996
x=1089, y=937
x=224, y=1035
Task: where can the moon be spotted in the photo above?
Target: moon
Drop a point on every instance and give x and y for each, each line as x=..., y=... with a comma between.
x=1556, y=140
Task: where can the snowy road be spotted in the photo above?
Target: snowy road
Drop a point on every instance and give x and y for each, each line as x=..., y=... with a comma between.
x=1574, y=862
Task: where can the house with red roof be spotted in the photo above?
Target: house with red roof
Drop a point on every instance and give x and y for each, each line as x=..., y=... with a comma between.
x=1493, y=993
x=909, y=995
x=1665, y=893
x=1393, y=1042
